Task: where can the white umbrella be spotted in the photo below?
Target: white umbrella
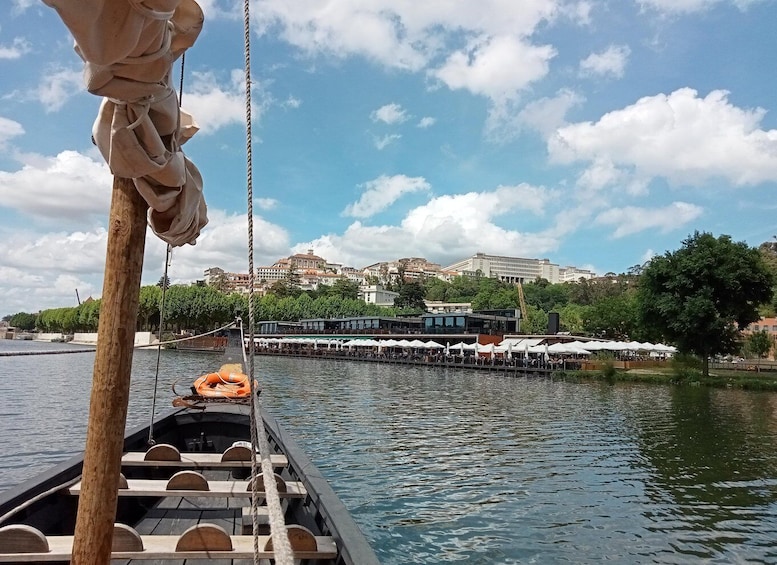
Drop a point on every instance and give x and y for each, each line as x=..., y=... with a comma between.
x=434, y=345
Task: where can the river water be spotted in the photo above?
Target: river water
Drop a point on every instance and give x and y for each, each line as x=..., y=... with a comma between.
x=458, y=466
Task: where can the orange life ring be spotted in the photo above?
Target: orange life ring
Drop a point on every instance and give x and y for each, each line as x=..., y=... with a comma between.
x=224, y=384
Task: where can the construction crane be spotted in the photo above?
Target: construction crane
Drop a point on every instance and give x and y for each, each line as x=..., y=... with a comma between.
x=522, y=304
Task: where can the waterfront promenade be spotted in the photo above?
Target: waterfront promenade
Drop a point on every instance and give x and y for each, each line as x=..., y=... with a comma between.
x=517, y=365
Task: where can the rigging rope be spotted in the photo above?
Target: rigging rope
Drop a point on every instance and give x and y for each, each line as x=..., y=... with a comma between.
x=159, y=345
x=280, y=538
x=168, y=252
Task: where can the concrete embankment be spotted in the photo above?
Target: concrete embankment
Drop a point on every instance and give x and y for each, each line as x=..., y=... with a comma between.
x=52, y=352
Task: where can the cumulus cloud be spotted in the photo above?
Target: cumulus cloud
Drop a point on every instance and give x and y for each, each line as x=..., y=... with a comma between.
x=20, y=46
x=447, y=227
x=8, y=130
x=79, y=252
x=496, y=67
x=42, y=270
x=390, y=114
x=382, y=192
x=546, y=115
x=690, y=6
x=426, y=122
x=69, y=186
x=224, y=243
x=401, y=34
x=611, y=62
x=57, y=86
x=216, y=103
x=681, y=137
x=631, y=220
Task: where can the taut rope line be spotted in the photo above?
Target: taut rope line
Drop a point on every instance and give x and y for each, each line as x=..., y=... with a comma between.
x=159, y=345
x=280, y=538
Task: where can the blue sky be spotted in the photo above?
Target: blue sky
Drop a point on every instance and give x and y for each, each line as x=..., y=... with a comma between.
x=593, y=133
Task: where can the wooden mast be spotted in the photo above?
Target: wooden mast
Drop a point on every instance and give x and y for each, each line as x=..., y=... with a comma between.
x=111, y=380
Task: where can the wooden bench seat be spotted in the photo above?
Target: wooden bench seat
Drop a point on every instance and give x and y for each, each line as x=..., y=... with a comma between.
x=204, y=541
x=215, y=489
x=164, y=455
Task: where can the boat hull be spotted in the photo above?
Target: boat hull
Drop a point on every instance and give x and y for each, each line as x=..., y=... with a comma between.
x=192, y=431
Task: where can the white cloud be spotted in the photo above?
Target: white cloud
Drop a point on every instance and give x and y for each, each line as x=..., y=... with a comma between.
x=18, y=47
x=68, y=187
x=647, y=256
x=216, y=103
x=496, y=67
x=57, y=86
x=631, y=220
x=8, y=130
x=426, y=122
x=22, y=5
x=446, y=228
x=224, y=243
x=382, y=142
x=546, y=115
x=690, y=6
x=39, y=271
x=292, y=102
x=402, y=34
x=390, y=114
x=266, y=203
x=78, y=252
x=679, y=136
x=612, y=61
x=382, y=192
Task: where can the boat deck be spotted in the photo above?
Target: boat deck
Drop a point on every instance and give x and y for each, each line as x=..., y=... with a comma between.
x=183, y=499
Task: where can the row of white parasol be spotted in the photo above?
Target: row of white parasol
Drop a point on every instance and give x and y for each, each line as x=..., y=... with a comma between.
x=507, y=347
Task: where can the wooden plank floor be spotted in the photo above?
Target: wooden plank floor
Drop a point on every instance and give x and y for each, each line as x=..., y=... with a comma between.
x=174, y=515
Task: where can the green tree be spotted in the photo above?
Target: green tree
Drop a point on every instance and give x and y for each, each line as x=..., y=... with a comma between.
x=411, y=297
x=344, y=289
x=612, y=317
x=23, y=321
x=700, y=295
x=760, y=343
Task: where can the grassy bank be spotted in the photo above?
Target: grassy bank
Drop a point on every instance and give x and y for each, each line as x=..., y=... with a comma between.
x=678, y=374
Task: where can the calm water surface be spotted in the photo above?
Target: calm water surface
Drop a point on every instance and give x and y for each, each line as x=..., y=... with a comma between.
x=467, y=467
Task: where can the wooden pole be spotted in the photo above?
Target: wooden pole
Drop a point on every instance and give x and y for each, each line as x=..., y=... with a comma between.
x=111, y=380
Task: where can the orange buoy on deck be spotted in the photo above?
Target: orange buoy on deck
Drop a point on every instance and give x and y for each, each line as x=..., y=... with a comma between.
x=224, y=384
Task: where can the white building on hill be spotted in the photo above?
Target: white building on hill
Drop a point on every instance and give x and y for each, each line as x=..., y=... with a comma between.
x=517, y=269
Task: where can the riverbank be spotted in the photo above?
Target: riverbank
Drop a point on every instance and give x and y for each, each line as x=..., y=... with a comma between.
x=744, y=380
x=666, y=373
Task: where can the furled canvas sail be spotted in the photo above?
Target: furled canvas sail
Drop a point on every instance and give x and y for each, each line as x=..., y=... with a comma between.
x=129, y=47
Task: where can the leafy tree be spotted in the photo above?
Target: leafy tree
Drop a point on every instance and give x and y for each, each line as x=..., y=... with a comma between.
x=546, y=296
x=164, y=282
x=613, y=317
x=700, y=295
x=411, y=297
x=344, y=289
x=760, y=343
x=23, y=321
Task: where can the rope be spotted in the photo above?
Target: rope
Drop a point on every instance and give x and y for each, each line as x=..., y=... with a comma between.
x=159, y=348
x=180, y=339
x=281, y=545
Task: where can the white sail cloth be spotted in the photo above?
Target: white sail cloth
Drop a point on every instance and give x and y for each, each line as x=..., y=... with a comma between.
x=129, y=47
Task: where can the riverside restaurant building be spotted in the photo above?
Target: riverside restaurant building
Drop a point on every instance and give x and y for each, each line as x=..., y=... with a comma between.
x=493, y=324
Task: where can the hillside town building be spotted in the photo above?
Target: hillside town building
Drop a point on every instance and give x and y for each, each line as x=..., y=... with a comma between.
x=517, y=269
x=315, y=271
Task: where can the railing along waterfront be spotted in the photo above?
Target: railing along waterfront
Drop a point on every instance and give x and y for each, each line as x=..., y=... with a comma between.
x=519, y=365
